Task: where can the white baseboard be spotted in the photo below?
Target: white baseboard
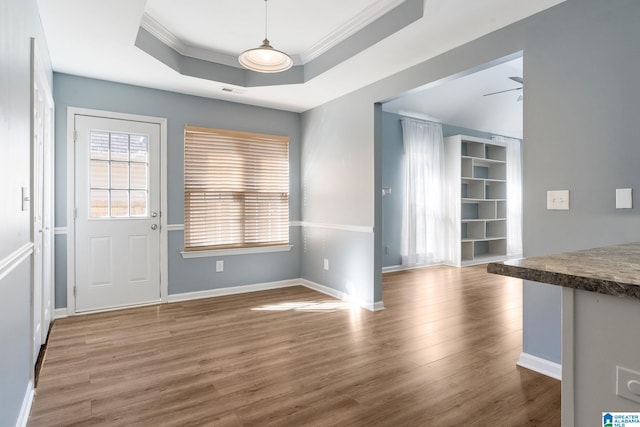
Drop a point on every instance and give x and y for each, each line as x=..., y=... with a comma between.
x=392, y=268
x=371, y=306
x=232, y=290
x=60, y=313
x=540, y=365
x=23, y=417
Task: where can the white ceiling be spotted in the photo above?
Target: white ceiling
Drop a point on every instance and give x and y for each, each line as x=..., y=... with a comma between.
x=461, y=102
x=95, y=38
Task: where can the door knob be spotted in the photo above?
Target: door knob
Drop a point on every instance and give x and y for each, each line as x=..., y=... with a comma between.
x=154, y=214
x=154, y=226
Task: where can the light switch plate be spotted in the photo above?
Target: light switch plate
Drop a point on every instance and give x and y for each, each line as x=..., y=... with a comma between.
x=628, y=384
x=558, y=200
x=624, y=199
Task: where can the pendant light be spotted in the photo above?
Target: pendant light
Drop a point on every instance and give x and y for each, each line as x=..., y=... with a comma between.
x=265, y=59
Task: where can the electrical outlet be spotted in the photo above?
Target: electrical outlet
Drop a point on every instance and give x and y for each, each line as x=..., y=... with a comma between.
x=558, y=200
x=326, y=264
x=219, y=266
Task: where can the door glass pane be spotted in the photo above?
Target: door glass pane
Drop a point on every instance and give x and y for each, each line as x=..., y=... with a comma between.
x=99, y=173
x=139, y=148
x=119, y=146
x=99, y=145
x=99, y=203
x=119, y=203
x=120, y=175
x=138, y=175
x=138, y=203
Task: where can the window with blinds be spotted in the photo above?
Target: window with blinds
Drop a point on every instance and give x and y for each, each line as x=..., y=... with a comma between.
x=236, y=189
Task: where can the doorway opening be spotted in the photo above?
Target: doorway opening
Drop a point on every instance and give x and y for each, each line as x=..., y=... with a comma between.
x=484, y=107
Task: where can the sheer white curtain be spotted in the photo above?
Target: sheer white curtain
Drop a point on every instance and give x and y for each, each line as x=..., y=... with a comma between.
x=423, y=232
x=514, y=194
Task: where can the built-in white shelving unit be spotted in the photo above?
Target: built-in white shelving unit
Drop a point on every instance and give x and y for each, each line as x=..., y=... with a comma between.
x=476, y=183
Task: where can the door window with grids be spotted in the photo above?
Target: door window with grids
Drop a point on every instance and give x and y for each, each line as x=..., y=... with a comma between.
x=119, y=175
x=236, y=189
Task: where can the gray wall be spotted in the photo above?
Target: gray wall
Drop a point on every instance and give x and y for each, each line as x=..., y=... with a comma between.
x=185, y=275
x=580, y=112
x=19, y=22
x=393, y=177
x=337, y=185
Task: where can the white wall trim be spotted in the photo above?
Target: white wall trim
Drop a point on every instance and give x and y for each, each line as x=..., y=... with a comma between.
x=60, y=313
x=349, y=28
x=14, y=259
x=233, y=290
x=394, y=268
x=72, y=112
x=23, y=417
x=235, y=251
x=60, y=230
x=371, y=306
x=342, y=227
x=540, y=365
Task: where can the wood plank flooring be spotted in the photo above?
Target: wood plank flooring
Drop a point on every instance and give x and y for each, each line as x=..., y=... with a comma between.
x=442, y=353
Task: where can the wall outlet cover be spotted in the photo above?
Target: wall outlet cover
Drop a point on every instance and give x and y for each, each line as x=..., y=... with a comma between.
x=219, y=266
x=558, y=200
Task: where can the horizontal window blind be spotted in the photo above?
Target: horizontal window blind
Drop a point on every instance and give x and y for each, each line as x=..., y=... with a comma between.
x=236, y=189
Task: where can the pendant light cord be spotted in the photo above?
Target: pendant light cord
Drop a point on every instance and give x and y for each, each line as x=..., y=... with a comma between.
x=265, y=20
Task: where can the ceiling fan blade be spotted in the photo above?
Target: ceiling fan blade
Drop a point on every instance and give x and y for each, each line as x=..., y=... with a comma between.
x=517, y=79
x=502, y=91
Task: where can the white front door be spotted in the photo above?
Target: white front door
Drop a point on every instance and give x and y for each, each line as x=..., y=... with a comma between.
x=117, y=202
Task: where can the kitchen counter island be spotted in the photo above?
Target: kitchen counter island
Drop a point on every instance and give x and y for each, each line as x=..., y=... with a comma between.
x=600, y=327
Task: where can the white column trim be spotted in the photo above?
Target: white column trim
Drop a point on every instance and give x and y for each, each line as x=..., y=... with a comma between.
x=342, y=227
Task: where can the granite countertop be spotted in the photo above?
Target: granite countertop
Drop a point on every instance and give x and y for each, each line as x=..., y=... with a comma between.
x=612, y=270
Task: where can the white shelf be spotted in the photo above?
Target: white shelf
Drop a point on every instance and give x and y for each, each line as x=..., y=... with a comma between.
x=477, y=191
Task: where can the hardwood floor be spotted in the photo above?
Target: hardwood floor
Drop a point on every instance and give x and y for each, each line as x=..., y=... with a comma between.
x=442, y=353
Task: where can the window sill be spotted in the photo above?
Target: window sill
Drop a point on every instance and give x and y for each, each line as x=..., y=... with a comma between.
x=239, y=251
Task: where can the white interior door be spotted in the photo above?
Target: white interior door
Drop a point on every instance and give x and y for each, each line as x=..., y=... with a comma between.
x=37, y=227
x=48, y=267
x=117, y=224
x=42, y=203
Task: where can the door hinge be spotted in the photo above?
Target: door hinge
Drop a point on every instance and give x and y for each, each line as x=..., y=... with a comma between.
x=75, y=136
x=75, y=213
x=74, y=291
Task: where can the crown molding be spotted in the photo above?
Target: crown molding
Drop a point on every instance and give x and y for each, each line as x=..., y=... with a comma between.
x=346, y=30
x=349, y=28
x=160, y=32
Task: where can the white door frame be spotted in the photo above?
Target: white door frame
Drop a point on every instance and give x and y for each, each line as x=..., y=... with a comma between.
x=71, y=233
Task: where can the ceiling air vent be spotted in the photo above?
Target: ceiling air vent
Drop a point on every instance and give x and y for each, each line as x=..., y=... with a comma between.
x=228, y=89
